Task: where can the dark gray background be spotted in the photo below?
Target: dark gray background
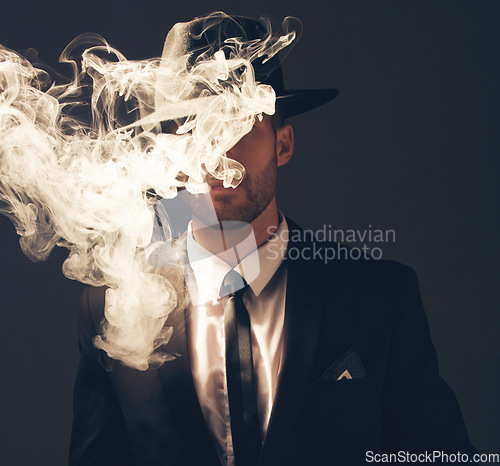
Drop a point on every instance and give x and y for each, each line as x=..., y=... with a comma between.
x=410, y=144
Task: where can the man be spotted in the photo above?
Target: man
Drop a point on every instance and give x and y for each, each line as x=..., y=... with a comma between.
x=281, y=360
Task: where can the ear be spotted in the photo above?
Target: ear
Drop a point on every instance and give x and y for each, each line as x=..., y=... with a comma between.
x=284, y=144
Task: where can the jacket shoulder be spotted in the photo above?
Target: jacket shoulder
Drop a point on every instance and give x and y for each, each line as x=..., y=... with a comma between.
x=333, y=258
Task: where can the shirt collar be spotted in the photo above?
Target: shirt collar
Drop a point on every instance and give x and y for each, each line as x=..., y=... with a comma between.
x=257, y=266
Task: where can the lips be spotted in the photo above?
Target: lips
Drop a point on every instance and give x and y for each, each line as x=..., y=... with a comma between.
x=216, y=185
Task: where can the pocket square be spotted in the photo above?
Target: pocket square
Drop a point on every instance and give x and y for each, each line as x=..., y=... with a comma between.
x=348, y=366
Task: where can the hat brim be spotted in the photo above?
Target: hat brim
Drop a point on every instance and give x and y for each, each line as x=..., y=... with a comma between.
x=293, y=102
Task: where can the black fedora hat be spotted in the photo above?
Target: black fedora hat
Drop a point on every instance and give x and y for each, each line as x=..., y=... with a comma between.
x=202, y=37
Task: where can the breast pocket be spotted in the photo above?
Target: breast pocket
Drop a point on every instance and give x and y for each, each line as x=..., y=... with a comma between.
x=345, y=398
x=344, y=387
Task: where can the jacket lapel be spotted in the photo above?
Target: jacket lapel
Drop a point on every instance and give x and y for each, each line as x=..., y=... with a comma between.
x=303, y=310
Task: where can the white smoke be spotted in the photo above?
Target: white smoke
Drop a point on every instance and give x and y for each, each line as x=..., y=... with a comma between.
x=87, y=186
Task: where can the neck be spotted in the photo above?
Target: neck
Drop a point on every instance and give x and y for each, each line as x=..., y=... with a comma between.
x=228, y=234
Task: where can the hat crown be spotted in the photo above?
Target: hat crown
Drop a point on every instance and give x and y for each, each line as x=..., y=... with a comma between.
x=239, y=36
x=251, y=40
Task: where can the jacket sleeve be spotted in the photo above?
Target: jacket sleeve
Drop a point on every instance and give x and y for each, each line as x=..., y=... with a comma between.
x=421, y=412
x=99, y=435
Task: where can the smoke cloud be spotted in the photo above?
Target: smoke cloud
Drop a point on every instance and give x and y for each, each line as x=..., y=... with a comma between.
x=91, y=186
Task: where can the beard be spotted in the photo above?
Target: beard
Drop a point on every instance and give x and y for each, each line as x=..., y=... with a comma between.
x=259, y=191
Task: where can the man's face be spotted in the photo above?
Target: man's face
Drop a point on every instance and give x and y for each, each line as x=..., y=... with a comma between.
x=256, y=151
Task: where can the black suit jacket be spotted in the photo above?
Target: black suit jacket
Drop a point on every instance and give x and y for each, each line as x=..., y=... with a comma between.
x=371, y=308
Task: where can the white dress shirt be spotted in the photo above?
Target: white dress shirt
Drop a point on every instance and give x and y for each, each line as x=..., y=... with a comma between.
x=265, y=302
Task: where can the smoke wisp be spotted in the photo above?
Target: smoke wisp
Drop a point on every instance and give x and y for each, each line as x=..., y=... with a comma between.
x=91, y=186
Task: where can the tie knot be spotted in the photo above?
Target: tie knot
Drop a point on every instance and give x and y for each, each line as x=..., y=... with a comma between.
x=232, y=283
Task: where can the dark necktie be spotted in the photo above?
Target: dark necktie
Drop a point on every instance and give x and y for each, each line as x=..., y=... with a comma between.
x=245, y=426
